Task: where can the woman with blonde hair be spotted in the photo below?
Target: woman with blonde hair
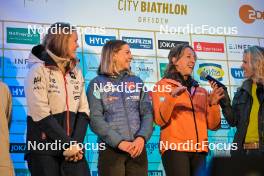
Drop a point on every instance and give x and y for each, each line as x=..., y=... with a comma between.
x=57, y=106
x=121, y=113
x=247, y=110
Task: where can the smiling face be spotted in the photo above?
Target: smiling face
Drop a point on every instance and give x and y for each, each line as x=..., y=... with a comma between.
x=72, y=45
x=248, y=72
x=185, y=63
x=123, y=58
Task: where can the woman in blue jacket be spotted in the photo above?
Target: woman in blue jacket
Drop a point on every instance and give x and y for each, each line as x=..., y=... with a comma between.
x=120, y=112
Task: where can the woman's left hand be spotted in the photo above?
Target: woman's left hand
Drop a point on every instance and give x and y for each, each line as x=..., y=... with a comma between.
x=216, y=95
x=138, y=145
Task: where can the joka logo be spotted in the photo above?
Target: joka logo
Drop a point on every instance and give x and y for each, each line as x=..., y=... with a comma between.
x=17, y=147
x=98, y=40
x=139, y=43
x=209, y=47
x=237, y=73
x=248, y=14
x=168, y=44
x=155, y=173
x=17, y=91
x=22, y=36
x=212, y=69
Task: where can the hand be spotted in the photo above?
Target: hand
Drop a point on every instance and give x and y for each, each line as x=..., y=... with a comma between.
x=138, y=145
x=125, y=146
x=73, y=150
x=75, y=158
x=216, y=95
x=177, y=91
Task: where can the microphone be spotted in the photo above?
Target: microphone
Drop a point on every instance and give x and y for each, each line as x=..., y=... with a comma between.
x=210, y=78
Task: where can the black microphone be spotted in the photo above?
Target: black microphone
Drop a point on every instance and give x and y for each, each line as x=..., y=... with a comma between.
x=210, y=78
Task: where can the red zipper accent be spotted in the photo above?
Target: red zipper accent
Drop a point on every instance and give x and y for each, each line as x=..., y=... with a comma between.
x=67, y=105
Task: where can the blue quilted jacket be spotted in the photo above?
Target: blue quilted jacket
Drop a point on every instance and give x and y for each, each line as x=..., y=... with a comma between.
x=119, y=108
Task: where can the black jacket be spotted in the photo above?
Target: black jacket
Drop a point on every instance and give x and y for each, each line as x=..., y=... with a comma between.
x=238, y=114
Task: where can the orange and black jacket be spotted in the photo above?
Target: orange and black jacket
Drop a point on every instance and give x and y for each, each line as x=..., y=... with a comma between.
x=184, y=119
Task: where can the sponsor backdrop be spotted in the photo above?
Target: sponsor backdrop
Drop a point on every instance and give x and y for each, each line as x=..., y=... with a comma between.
x=219, y=31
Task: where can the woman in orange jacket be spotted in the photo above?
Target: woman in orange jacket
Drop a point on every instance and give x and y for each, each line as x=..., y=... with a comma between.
x=184, y=111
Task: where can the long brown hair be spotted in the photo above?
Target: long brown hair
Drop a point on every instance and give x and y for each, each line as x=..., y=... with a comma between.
x=57, y=38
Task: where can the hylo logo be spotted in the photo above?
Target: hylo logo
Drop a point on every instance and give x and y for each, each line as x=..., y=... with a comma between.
x=97, y=40
x=248, y=14
x=17, y=91
x=237, y=73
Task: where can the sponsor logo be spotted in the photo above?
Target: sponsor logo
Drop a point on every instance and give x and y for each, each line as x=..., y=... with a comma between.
x=224, y=124
x=152, y=7
x=16, y=63
x=72, y=75
x=237, y=48
x=209, y=47
x=97, y=40
x=155, y=173
x=144, y=69
x=37, y=80
x=168, y=44
x=152, y=146
x=237, y=73
x=17, y=147
x=17, y=91
x=21, y=36
x=139, y=43
x=249, y=15
x=214, y=70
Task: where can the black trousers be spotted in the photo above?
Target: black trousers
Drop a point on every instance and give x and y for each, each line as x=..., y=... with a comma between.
x=114, y=162
x=182, y=163
x=45, y=165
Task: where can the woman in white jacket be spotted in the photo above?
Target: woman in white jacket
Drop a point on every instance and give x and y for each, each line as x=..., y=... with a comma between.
x=57, y=106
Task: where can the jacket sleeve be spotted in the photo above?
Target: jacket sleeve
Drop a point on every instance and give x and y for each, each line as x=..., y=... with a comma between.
x=231, y=113
x=38, y=105
x=8, y=110
x=213, y=116
x=164, y=104
x=146, y=115
x=82, y=119
x=97, y=122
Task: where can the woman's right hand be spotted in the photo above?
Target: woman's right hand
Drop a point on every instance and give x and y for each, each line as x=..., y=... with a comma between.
x=177, y=91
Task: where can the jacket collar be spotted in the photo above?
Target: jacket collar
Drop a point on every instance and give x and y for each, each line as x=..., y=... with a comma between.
x=51, y=60
x=247, y=86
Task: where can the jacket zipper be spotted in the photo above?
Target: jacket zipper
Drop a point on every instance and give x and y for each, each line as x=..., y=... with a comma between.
x=194, y=118
x=129, y=130
x=67, y=106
